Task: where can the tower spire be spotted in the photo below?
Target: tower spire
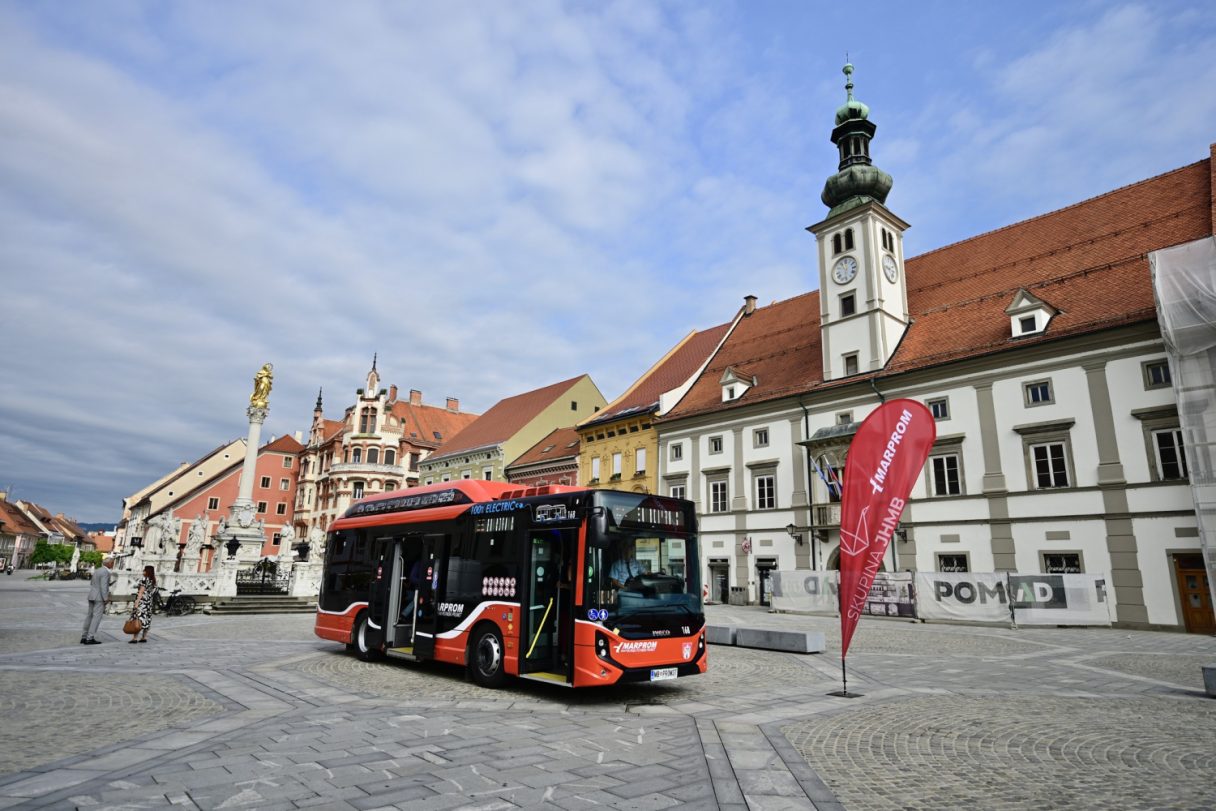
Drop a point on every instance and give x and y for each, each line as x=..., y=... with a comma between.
x=317, y=407
x=858, y=180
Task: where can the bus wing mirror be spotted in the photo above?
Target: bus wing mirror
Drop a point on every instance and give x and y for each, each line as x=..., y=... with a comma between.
x=598, y=524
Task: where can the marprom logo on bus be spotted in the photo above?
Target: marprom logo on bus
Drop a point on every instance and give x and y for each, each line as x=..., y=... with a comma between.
x=641, y=646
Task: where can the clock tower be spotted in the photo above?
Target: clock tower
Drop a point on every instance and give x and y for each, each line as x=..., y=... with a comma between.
x=863, y=297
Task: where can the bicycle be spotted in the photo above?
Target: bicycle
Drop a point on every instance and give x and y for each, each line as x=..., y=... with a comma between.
x=175, y=605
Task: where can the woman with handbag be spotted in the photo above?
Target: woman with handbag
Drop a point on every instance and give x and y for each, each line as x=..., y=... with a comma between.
x=143, y=605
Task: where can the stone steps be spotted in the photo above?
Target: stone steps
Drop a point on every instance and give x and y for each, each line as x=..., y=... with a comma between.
x=261, y=604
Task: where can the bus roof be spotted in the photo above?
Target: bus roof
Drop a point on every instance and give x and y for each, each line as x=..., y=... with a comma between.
x=460, y=494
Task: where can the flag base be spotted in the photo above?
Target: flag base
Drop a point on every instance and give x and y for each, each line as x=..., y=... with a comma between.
x=845, y=694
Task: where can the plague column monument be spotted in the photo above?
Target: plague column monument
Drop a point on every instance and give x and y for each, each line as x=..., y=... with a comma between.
x=239, y=535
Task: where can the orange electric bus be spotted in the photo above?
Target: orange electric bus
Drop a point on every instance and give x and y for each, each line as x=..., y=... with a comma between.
x=560, y=584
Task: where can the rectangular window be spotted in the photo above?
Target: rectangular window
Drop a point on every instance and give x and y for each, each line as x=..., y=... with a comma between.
x=760, y=438
x=358, y=490
x=595, y=469
x=286, y=461
x=265, y=481
x=278, y=539
x=1027, y=323
x=717, y=496
x=1171, y=459
x=574, y=405
x=677, y=491
x=1049, y=464
x=850, y=364
x=1157, y=374
x=639, y=463
x=715, y=444
x=844, y=418
x=414, y=461
x=848, y=304
x=466, y=474
x=953, y=563
x=1061, y=563
x=945, y=475
x=766, y=492
x=677, y=452
x=262, y=506
x=939, y=408
x=1038, y=393
x=616, y=464
x=284, y=484
x=487, y=473
x=213, y=503
x=280, y=509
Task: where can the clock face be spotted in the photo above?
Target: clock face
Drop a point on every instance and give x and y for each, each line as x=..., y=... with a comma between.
x=845, y=270
x=889, y=267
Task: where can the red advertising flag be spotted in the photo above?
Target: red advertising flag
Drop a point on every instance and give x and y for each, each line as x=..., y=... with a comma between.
x=885, y=458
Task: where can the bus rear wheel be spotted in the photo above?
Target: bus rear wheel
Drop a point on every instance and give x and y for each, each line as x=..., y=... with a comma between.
x=486, y=657
x=363, y=648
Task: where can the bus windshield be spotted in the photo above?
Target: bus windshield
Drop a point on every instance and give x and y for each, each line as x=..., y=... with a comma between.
x=634, y=573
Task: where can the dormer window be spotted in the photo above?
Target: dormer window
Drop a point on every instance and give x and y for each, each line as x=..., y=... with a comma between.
x=1028, y=314
x=735, y=384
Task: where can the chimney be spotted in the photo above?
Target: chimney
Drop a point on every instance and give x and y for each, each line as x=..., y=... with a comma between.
x=415, y=397
x=392, y=393
x=453, y=404
x=299, y=437
x=3, y=496
x=749, y=305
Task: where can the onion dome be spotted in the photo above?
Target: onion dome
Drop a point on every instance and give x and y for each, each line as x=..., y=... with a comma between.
x=858, y=180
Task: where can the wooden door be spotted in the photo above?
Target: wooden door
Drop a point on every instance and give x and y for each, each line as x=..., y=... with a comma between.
x=1193, y=590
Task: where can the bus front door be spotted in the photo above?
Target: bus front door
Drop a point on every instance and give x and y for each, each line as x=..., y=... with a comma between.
x=546, y=632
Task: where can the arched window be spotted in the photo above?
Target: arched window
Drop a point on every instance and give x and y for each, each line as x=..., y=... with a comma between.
x=390, y=485
x=373, y=456
x=848, y=239
x=358, y=456
x=390, y=457
x=836, y=244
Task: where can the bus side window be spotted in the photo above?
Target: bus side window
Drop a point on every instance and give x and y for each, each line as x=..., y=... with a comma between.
x=464, y=572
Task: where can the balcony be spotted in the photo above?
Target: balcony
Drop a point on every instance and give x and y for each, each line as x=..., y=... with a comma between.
x=827, y=515
x=365, y=469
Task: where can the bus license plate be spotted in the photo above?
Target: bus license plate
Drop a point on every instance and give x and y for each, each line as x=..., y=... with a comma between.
x=661, y=673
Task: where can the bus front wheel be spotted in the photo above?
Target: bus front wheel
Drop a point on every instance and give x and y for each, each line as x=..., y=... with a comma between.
x=363, y=648
x=486, y=657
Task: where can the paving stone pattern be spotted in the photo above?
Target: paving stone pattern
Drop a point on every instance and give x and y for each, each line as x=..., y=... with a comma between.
x=256, y=712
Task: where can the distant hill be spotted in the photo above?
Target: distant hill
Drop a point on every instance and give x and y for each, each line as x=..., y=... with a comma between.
x=96, y=527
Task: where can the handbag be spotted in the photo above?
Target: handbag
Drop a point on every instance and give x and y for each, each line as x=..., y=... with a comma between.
x=132, y=626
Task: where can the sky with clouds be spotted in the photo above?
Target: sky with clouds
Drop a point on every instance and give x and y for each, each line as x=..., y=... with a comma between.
x=493, y=196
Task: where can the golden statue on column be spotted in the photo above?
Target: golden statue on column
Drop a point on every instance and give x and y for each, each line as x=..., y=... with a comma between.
x=262, y=382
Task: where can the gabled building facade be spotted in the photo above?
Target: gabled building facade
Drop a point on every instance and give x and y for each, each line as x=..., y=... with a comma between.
x=508, y=429
x=162, y=516
x=553, y=460
x=18, y=535
x=619, y=444
x=376, y=447
x=1035, y=346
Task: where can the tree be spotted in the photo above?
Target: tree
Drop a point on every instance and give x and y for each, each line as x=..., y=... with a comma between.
x=52, y=553
x=91, y=557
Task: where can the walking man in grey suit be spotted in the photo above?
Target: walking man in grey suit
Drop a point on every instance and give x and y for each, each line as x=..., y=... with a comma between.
x=99, y=598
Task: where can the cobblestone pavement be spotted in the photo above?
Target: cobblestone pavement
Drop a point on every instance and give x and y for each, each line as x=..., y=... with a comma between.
x=256, y=712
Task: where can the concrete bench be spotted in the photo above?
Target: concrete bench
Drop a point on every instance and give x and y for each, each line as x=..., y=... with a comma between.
x=789, y=641
x=720, y=634
x=1209, y=680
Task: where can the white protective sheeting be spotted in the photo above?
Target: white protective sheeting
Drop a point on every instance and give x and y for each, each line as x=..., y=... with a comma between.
x=1059, y=599
x=963, y=596
x=814, y=592
x=1184, y=283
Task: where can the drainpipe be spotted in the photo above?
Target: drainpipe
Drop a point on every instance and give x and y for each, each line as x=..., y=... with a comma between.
x=881, y=397
x=810, y=486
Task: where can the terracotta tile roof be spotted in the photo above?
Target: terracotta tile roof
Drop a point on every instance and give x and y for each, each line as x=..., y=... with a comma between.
x=331, y=429
x=668, y=373
x=15, y=522
x=1088, y=260
x=561, y=444
x=429, y=426
x=284, y=444
x=101, y=541
x=504, y=419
